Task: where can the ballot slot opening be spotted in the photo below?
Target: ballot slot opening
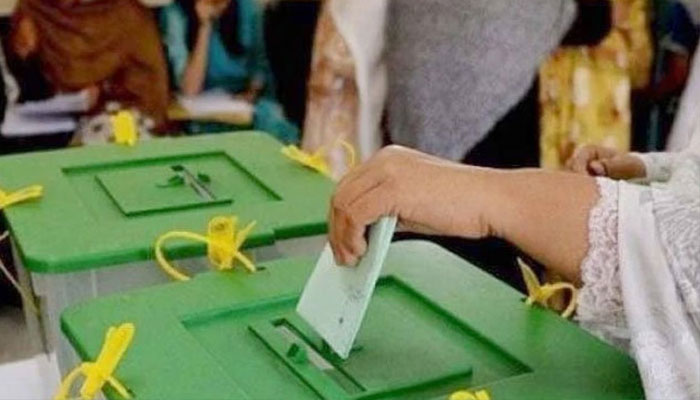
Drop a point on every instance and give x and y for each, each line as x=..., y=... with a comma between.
x=410, y=344
x=151, y=186
x=322, y=359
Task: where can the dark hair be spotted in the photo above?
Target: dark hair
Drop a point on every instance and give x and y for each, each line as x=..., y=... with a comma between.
x=228, y=25
x=27, y=73
x=592, y=24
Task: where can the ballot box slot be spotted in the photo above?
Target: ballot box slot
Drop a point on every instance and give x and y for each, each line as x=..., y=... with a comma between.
x=410, y=346
x=305, y=350
x=326, y=373
x=153, y=186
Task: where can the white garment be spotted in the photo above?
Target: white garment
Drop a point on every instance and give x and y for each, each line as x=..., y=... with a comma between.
x=361, y=23
x=642, y=285
x=687, y=122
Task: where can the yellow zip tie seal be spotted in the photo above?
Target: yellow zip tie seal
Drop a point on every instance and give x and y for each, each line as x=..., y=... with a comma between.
x=124, y=128
x=541, y=294
x=467, y=395
x=317, y=160
x=22, y=195
x=100, y=372
x=224, y=242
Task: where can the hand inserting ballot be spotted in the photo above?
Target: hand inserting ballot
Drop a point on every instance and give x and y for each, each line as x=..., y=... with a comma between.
x=417, y=188
x=544, y=213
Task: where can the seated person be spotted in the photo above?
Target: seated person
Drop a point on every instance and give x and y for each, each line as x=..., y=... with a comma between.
x=76, y=45
x=218, y=44
x=634, y=249
x=22, y=80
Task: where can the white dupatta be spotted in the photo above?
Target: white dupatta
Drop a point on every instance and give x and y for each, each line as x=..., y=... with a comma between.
x=659, y=252
x=361, y=23
x=664, y=335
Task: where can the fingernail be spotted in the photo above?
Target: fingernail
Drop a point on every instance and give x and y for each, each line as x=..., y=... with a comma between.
x=597, y=168
x=350, y=263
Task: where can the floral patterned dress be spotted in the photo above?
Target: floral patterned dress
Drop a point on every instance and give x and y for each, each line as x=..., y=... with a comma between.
x=585, y=91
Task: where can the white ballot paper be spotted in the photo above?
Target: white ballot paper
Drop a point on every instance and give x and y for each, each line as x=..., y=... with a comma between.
x=335, y=298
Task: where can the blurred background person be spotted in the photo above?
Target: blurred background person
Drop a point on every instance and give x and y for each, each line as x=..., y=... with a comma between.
x=218, y=44
x=76, y=45
x=585, y=91
x=680, y=78
x=347, y=83
x=22, y=61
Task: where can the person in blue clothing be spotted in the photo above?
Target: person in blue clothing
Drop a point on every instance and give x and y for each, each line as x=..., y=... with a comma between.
x=679, y=40
x=218, y=44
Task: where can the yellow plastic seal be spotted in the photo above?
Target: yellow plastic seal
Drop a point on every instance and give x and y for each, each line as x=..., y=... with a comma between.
x=19, y=196
x=124, y=128
x=541, y=294
x=317, y=161
x=467, y=395
x=100, y=372
x=224, y=242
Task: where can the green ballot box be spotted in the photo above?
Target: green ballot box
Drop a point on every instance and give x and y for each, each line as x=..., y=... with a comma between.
x=103, y=207
x=435, y=325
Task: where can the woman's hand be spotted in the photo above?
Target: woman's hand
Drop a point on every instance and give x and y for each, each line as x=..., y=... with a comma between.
x=601, y=161
x=252, y=94
x=544, y=213
x=208, y=10
x=427, y=194
x=195, y=72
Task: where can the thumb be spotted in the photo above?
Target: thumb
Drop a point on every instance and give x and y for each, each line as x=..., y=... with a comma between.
x=598, y=168
x=621, y=167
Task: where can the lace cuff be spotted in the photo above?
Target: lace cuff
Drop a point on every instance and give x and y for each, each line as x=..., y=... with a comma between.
x=600, y=307
x=658, y=166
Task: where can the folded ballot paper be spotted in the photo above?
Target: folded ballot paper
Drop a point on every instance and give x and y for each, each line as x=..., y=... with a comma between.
x=336, y=298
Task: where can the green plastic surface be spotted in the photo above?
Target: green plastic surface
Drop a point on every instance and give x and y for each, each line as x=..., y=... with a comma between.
x=106, y=205
x=435, y=324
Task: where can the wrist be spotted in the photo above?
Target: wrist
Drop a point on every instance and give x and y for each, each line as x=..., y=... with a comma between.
x=473, y=202
x=500, y=195
x=491, y=197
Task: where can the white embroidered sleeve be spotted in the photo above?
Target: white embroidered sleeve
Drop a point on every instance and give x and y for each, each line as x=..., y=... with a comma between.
x=658, y=166
x=600, y=305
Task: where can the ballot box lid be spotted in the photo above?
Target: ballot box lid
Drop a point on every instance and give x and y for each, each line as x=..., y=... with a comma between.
x=435, y=324
x=106, y=204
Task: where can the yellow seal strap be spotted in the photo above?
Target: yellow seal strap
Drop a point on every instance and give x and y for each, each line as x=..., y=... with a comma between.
x=350, y=151
x=100, y=372
x=317, y=161
x=541, y=294
x=22, y=195
x=124, y=128
x=224, y=242
x=467, y=395
x=26, y=296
